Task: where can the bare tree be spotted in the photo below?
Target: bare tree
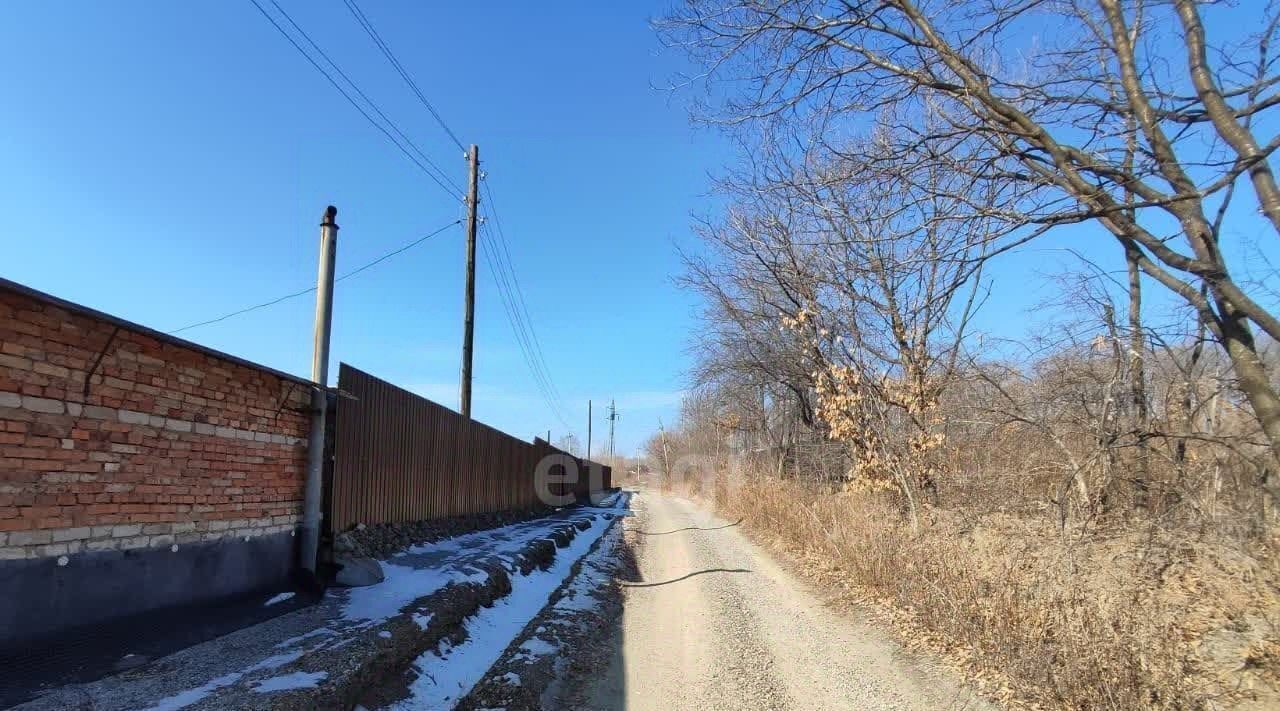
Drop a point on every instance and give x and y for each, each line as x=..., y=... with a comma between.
x=853, y=288
x=1122, y=115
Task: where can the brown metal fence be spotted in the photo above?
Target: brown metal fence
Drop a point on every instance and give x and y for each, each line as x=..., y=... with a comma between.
x=402, y=457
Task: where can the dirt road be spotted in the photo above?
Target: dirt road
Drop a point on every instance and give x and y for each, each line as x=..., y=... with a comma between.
x=716, y=624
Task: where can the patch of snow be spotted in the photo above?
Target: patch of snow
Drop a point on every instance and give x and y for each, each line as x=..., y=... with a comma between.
x=511, y=678
x=579, y=595
x=447, y=676
x=504, y=541
x=403, y=584
x=338, y=644
x=594, y=573
x=608, y=501
x=538, y=647
x=322, y=632
x=423, y=569
x=422, y=620
x=576, y=603
x=277, y=661
x=385, y=634
x=191, y=696
x=278, y=598
x=285, y=682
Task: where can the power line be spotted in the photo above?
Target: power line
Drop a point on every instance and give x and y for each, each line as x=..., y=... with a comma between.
x=522, y=323
x=519, y=292
x=441, y=173
x=522, y=340
x=391, y=57
x=503, y=283
x=393, y=253
x=296, y=294
x=499, y=262
x=452, y=190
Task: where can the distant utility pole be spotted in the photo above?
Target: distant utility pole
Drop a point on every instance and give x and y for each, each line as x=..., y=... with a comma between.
x=312, y=491
x=588, y=429
x=469, y=315
x=613, y=417
x=666, y=466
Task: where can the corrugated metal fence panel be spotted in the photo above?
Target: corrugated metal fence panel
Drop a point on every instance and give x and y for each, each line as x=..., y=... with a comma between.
x=401, y=457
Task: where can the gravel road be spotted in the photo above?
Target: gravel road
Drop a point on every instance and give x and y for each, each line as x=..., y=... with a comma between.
x=716, y=624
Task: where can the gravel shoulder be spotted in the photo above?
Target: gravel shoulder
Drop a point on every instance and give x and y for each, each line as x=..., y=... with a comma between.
x=715, y=623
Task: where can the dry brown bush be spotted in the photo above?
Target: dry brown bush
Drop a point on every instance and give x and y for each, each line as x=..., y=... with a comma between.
x=1135, y=618
x=1086, y=504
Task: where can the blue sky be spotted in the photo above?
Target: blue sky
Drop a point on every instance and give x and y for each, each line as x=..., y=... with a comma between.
x=169, y=162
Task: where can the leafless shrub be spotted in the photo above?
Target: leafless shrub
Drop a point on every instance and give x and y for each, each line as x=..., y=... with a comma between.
x=1043, y=620
x=1072, y=507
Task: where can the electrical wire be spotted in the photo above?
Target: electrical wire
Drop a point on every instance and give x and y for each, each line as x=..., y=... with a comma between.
x=498, y=258
x=540, y=375
x=452, y=190
x=522, y=340
x=499, y=262
x=506, y=267
x=457, y=189
x=395, y=63
x=502, y=281
x=296, y=294
x=519, y=292
x=523, y=328
x=505, y=256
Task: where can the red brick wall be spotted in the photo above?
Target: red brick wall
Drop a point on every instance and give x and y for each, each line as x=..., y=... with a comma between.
x=172, y=445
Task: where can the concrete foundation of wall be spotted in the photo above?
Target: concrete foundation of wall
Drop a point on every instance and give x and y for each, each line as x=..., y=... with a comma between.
x=44, y=597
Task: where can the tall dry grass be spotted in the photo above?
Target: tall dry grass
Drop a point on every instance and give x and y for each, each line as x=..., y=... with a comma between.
x=1133, y=619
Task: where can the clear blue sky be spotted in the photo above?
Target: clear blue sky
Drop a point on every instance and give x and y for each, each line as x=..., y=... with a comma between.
x=169, y=162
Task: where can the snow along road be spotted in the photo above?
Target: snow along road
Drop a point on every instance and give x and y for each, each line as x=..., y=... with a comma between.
x=716, y=624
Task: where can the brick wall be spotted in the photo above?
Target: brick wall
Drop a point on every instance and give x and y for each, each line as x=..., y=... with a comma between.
x=172, y=444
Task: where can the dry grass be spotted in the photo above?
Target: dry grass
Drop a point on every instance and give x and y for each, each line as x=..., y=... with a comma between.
x=1133, y=619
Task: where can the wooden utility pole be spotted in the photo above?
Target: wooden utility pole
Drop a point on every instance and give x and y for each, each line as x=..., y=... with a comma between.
x=469, y=315
x=666, y=466
x=313, y=488
x=588, y=429
x=613, y=417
